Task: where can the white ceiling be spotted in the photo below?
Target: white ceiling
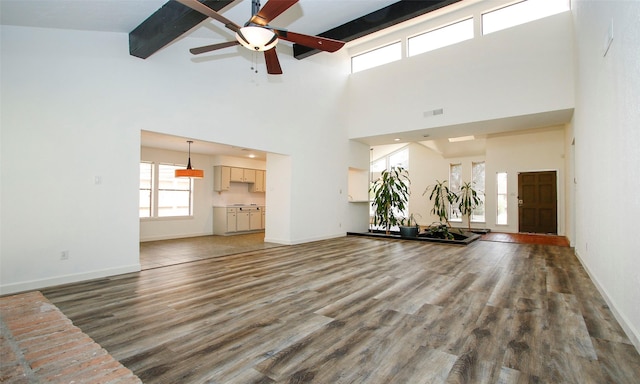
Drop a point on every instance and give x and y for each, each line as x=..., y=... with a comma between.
x=176, y=143
x=438, y=138
x=307, y=16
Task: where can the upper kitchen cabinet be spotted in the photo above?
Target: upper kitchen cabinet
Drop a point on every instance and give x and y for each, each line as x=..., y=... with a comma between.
x=223, y=176
x=243, y=175
x=260, y=183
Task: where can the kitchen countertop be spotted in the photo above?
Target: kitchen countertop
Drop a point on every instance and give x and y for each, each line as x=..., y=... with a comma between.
x=239, y=206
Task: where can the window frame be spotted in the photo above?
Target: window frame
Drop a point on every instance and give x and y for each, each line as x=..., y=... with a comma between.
x=149, y=189
x=372, y=52
x=437, y=30
x=155, y=193
x=481, y=194
x=454, y=212
x=522, y=18
x=505, y=200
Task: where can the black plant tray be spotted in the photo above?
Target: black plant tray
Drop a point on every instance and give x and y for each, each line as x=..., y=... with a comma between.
x=421, y=237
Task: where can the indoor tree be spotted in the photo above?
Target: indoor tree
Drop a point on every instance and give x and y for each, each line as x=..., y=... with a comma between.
x=467, y=200
x=390, y=197
x=442, y=198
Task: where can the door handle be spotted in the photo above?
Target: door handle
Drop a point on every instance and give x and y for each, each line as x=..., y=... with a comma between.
x=520, y=202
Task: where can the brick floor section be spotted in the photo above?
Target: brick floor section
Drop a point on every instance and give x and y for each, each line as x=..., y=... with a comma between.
x=39, y=344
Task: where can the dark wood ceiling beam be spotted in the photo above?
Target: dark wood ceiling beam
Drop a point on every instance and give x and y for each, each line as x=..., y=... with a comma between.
x=375, y=21
x=167, y=24
x=174, y=19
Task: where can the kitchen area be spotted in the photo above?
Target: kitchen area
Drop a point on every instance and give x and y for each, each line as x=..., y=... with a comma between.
x=228, y=204
x=228, y=200
x=247, y=212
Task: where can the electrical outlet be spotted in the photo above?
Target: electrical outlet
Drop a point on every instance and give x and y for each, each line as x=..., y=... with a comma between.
x=64, y=255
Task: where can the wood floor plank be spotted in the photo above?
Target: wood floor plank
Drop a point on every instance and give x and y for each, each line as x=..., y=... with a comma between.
x=529, y=340
x=619, y=362
x=427, y=365
x=482, y=347
x=568, y=330
x=358, y=310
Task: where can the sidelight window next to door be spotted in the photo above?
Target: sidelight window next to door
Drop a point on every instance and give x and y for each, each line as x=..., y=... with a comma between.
x=501, y=184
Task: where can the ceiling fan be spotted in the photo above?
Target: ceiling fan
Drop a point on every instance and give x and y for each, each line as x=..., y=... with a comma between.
x=258, y=35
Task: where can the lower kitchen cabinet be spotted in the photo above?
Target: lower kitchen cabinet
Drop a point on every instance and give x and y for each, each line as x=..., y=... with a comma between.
x=233, y=220
x=255, y=220
x=243, y=220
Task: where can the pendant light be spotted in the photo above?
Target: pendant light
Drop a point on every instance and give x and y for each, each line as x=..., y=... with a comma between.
x=190, y=172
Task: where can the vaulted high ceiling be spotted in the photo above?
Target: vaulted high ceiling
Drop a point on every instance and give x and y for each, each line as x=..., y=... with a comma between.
x=173, y=20
x=342, y=18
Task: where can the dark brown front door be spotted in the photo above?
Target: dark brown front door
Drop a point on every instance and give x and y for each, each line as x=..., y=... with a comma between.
x=537, y=202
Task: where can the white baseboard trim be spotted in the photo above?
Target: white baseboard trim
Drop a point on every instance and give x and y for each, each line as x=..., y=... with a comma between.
x=632, y=333
x=66, y=279
x=174, y=236
x=302, y=241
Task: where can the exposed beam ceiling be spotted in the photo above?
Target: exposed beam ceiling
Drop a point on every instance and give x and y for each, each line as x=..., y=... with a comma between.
x=375, y=21
x=165, y=25
x=173, y=20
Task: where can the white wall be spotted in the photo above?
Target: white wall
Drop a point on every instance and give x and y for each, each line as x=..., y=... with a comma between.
x=278, y=215
x=425, y=167
x=357, y=214
x=73, y=105
x=69, y=154
x=607, y=138
x=524, y=152
x=524, y=70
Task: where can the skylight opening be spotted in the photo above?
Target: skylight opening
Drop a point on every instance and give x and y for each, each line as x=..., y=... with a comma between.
x=441, y=37
x=520, y=13
x=376, y=57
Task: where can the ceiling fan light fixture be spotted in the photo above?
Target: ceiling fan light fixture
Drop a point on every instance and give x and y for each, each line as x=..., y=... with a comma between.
x=189, y=172
x=257, y=38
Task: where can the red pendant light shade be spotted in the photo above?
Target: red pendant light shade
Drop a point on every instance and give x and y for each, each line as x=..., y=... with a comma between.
x=189, y=172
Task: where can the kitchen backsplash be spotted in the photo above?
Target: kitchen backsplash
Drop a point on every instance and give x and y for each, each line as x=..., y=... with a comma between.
x=238, y=194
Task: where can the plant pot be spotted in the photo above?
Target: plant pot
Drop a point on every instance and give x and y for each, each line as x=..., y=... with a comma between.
x=408, y=231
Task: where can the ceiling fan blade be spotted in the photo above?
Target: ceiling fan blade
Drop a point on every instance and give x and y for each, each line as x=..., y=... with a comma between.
x=271, y=10
x=316, y=42
x=273, y=64
x=213, y=47
x=198, y=6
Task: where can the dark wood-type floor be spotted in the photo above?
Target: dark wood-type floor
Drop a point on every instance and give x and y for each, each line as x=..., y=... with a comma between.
x=161, y=253
x=360, y=310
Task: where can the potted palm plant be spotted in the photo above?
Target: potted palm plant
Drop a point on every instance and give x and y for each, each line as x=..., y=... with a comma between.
x=467, y=200
x=390, y=197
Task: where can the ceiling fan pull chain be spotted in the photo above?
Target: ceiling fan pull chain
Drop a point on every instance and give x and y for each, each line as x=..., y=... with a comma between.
x=254, y=64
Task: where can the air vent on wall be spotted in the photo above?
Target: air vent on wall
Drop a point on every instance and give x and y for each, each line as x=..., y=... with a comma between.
x=434, y=112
